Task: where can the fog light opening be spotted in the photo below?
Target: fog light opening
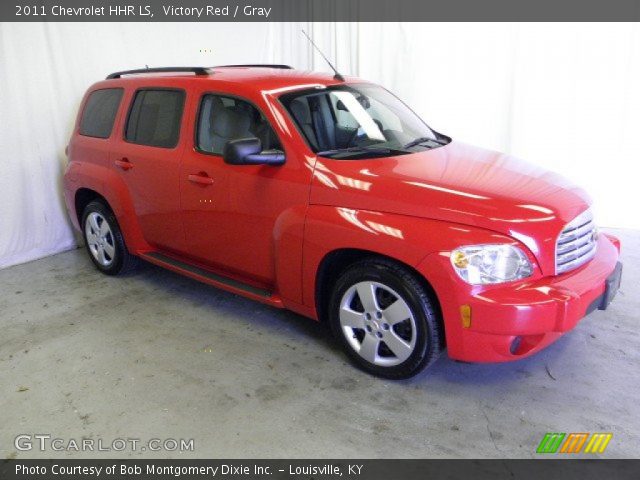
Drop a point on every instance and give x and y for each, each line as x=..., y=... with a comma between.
x=515, y=345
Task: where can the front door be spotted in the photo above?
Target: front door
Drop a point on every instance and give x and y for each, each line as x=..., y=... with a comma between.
x=234, y=214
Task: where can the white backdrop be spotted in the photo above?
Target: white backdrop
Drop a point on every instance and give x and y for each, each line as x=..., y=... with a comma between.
x=565, y=96
x=44, y=71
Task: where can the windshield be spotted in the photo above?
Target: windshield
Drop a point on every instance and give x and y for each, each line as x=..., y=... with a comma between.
x=358, y=121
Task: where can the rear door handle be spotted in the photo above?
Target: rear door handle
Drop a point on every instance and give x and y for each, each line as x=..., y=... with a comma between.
x=124, y=163
x=201, y=178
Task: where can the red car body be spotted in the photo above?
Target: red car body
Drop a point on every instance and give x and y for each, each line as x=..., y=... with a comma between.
x=282, y=225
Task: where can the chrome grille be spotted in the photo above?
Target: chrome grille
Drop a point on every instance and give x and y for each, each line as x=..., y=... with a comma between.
x=576, y=244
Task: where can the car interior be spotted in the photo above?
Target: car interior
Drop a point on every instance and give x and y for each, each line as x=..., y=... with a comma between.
x=317, y=119
x=226, y=118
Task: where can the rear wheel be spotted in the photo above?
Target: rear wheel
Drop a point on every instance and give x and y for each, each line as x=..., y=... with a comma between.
x=385, y=319
x=104, y=240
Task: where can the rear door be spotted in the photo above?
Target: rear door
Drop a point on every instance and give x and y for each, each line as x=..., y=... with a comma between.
x=147, y=156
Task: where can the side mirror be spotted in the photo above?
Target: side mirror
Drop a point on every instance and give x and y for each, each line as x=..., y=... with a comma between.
x=248, y=151
x=364, y=101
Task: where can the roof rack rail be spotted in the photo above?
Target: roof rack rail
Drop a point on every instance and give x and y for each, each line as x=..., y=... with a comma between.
x=196, y=70
x=259, y=65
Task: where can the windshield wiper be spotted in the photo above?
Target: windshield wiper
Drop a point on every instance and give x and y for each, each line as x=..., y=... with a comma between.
x=421, y=140
x=355, y=150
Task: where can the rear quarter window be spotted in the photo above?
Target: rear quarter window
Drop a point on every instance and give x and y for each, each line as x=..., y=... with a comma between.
x=100, y=112
x=154, y=118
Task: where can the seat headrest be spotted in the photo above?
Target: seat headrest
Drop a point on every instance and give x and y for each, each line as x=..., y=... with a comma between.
x=301, y=111
x=227, y=123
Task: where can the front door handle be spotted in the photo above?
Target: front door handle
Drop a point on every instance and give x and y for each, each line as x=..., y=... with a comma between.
x=201, y=178
x=124, y=163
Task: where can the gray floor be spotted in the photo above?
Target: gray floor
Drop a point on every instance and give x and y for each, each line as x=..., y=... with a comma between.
x=156, y=355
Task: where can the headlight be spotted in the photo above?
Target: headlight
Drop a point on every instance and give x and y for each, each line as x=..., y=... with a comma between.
x=485, y=264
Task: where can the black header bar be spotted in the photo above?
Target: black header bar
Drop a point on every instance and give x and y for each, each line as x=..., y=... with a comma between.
x=318, y=10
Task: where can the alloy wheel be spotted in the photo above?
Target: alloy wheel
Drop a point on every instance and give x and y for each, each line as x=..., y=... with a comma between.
x=378, y=323
x=100, y=239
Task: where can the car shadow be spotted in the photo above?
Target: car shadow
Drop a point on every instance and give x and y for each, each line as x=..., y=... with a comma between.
x=228, y=303
x=265, y=317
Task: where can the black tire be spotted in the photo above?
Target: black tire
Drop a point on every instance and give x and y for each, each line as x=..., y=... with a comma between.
x=121, y=261
x=399, y=281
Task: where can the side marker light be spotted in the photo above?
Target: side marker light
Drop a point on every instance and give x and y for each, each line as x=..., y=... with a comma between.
x=465, y=314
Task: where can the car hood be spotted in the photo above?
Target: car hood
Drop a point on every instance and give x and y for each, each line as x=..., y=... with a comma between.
x=456, y=183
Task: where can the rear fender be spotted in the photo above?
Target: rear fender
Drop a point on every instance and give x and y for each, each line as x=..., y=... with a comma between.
x=113, y=188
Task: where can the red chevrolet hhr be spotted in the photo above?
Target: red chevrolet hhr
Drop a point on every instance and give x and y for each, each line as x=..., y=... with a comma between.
x=330, y=197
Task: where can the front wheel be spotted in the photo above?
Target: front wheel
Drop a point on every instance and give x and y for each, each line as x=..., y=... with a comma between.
x=385, y=319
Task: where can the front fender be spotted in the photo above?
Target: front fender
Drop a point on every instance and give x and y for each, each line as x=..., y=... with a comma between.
x=409, y=240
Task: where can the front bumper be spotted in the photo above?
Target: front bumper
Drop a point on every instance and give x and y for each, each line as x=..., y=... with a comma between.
x=513, y=321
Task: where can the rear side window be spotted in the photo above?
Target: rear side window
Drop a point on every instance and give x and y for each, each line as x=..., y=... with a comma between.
x=100, y=112
x=154, y=118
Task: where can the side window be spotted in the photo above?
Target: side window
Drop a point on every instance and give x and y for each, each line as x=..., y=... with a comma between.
x=154, y=118
x=100, y=112
x=226, y=118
